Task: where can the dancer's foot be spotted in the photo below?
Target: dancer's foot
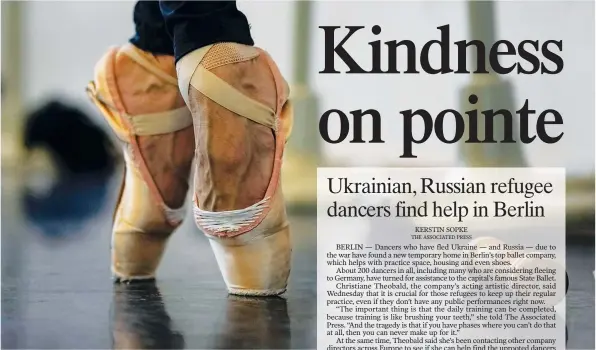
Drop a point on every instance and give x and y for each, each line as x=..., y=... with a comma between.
x=138, y=95
x=238, y=100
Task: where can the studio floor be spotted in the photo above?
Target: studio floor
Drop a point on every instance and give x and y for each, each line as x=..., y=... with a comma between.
x=57, y=292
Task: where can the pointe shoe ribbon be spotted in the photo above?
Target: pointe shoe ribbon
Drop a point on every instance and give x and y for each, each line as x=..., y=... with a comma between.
x=142, y=219
x=252, y=245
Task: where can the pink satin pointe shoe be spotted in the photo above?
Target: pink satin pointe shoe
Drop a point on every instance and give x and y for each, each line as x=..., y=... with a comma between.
x=242, y=119
x=138, y=95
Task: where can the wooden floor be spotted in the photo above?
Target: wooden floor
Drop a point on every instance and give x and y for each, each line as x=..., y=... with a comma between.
x=57, y=292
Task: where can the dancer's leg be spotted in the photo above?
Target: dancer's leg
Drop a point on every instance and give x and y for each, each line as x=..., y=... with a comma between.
x=238, y=102
x=195, y=24
x=150, y=29
x=135, y=87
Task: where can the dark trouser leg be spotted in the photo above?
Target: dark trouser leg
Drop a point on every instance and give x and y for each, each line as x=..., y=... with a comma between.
x=195, y=24
x=150, y=29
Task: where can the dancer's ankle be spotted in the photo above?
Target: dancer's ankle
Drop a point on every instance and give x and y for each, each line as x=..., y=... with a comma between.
x=234, y=154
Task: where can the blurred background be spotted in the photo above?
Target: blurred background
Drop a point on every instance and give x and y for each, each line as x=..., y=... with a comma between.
x=61, y=166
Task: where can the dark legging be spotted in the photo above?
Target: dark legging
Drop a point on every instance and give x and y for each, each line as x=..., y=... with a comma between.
x=179, y=27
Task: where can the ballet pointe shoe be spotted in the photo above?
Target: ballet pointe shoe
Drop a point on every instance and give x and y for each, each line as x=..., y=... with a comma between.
x=256, y=263
x=137, y=93
x=242, y=119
